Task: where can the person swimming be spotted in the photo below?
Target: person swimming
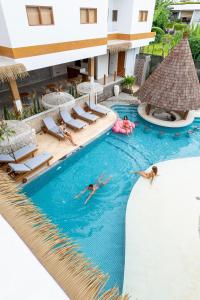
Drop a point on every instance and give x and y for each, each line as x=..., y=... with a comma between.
x=126, y=125
x=149, y=175
x=93, y=188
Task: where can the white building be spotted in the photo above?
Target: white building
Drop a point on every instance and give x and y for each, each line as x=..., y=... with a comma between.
x=186, y=12
x=87, y=37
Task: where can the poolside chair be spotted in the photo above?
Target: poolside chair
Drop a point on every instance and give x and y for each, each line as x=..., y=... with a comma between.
x=71, y=122
x=18, y=155
x=21, y=170
x=52, y=128
x=97, y=109
x=80, y=113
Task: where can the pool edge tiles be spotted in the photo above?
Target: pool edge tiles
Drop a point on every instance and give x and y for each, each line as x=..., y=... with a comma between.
x=162, y=234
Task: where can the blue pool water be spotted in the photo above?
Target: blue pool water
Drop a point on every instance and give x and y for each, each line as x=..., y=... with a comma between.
x=99, y=226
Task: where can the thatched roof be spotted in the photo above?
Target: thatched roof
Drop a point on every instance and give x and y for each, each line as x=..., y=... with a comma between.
x=174, y=84
x=12, y=71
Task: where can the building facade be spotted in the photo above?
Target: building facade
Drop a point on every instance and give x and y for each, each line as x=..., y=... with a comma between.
x=90, y=37
x=186, y=12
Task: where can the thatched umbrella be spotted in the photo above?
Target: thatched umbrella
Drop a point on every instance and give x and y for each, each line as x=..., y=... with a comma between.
x=12, y=72
x=174, y=85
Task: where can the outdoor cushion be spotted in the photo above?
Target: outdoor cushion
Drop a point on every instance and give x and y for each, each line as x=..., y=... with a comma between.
x=84, y=114
x=69, y=120
x=49, y=122
x=38, y=160
x=98, y=108
x=4, y=158
x=51, y=126
x=19, y=168
x=24, y=151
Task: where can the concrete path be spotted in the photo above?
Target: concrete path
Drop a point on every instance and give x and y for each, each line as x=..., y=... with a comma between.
x=163, y=234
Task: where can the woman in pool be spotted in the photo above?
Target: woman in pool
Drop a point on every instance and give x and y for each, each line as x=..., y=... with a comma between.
x=67, y=133
x=149, y=175
x=126, y=125
x=93, y=188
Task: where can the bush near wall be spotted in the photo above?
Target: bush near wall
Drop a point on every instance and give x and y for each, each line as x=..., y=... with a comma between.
x=180, y=26
x=195, y=48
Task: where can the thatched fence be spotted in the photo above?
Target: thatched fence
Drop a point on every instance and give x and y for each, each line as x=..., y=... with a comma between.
x=76, y=275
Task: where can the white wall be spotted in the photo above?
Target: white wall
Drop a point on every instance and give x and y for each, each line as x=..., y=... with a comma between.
x=4, y=36
x=67, y=22
x=130, y=61
x=102, y=66
x=113, y=63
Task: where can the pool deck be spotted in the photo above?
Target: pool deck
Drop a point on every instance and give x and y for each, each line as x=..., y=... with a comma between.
x=61, y=149
x=23, y=277
x=163, y=234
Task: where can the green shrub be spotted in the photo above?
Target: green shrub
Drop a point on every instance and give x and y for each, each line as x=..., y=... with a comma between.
x=195, y=48
x=128, y=81
x=169, y=26
x=180, y=26
x=159, y=34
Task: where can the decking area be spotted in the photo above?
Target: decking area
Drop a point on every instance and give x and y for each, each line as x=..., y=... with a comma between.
x=163, y=232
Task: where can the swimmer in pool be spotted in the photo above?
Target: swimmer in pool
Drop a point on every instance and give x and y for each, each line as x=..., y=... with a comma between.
x=93, y=188
x=149, y=175
x=126, y=125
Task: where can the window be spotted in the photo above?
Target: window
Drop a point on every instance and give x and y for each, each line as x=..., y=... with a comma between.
x=114, y=15
x=88, y=15
x=143, y=15
x=39, y=15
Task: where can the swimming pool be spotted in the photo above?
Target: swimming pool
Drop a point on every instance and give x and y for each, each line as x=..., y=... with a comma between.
x=99, y=226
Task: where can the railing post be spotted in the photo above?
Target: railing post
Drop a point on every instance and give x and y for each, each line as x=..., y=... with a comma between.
x=104, y=79
x=115, y=76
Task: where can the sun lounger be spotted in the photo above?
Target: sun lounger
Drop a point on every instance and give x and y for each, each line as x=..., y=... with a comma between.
x=80, y=113
x=20, y=171
x=52, y=128
x=97, y=109
x=18, y=155
x=71, y=122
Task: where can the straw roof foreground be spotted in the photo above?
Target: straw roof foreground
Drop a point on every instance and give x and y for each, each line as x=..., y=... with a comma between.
x=59, y=255
x=174, y=84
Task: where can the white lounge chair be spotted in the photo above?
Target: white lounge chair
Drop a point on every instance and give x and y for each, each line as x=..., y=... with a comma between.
x=19, y=171
x=71, y=122
x=18, y=155
x=80, y=113
x=97, y=109
x=52, y=128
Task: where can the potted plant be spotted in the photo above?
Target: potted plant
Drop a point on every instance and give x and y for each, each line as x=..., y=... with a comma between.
x=128, y=83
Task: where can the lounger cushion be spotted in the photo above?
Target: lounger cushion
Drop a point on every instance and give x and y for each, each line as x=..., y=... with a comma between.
x=38, y=160
x=98, y=109
x=19, y=168
x=5, y=158
x=80, y=112
x=51, y=126
x=24, y=151
x=70, y=121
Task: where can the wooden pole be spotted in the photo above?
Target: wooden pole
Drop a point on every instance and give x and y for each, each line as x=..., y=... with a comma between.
x=15, y=95
x=148, y=109
x=104, y=79
x=115, y=76
x=91, y=67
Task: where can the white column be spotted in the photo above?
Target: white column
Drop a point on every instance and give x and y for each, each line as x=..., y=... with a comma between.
x=113, y=63
x=130, y=61
x=101, y=66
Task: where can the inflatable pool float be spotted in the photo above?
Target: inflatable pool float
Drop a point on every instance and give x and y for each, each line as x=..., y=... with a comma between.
x=118, y=127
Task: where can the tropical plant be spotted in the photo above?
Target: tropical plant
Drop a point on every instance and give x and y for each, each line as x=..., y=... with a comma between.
x=162, y=13
x=128, y=82
x=5, y=131
x=180, y=26
x=159, y=34
x=195, y=47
